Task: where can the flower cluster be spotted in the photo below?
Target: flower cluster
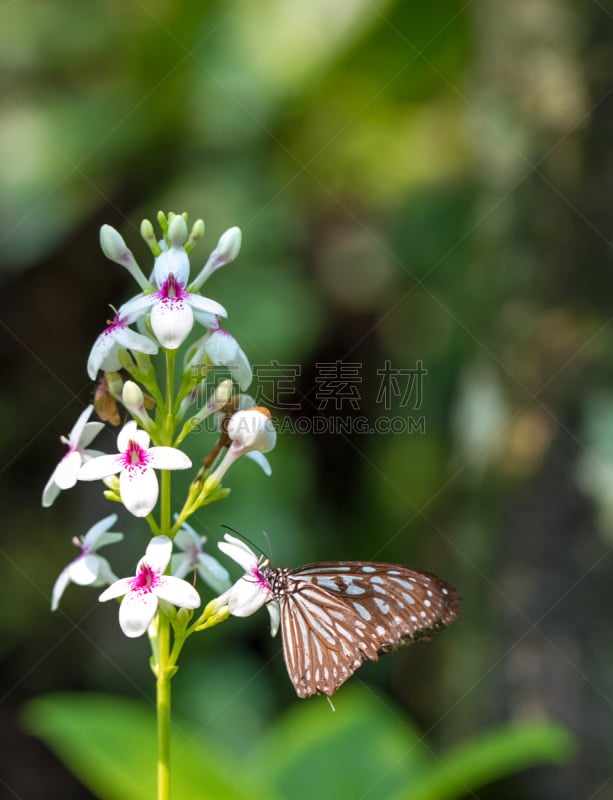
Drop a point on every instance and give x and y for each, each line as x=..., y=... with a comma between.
x=160, y=410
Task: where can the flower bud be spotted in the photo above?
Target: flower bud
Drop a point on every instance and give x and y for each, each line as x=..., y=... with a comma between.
x=113, y=244
x=252, y=429
x=115, y=249
x=177, y=231
x=132, y=397
x=148, y=234
x=197, y=232
x=162, y=221
x=229, y=245
x=222, y=395
x=251, y=432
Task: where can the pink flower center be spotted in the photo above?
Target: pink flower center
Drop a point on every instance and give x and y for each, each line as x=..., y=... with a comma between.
x=260, y=579
x=116, y=324
x=146, y=580
x=135, y=455
x=172, y=289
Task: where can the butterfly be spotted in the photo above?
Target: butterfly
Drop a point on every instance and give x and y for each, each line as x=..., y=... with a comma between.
x=334, y=616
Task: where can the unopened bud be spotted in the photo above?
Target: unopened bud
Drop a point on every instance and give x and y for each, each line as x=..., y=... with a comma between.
x=196, y=234
x=115, y=249
x=162, y=222
x=222, y=394
x=177, y=231
x=197, y=230
x=113, y=245
x=229, y=245
x=148, y=234
x=132, y=397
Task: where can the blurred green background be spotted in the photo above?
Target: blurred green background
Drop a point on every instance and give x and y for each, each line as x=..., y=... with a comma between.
x=414, y=182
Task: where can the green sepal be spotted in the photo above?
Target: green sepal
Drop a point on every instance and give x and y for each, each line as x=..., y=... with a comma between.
x=112, y=496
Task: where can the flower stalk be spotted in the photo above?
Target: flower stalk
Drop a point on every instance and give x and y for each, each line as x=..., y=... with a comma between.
x=163, y=708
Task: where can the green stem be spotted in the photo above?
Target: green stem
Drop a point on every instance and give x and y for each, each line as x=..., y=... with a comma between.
x=165, y=501
x=164, y=668
x=168, y=428
x=167, y=435
x=163, y=708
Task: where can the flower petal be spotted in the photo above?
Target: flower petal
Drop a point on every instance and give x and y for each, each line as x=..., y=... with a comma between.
x=131, y=433
x=275, y=617
x=180, y=564
x=90, y=431
x=63, y=579
x=239, y=552
x=206, y=305
x=132, y=310
x=66, y=472
x=261, y=460
x=172, y=321
x=177, y=592
x=77, y=429
x=84, y=570
x=130, y=340
x=50, y=492
x=221, y=347
x=212, y=573
x=103, y=352
x=105, y=573
x=246, y=597
x=136, y=611
x=139, y=489
x=242, y=372
x=171, y=262
x=98, y=468
x=90, y=540
x=109, y=538
x=116, y=589
x=187, y=538
x=210, y=321
x=158, y=552
x=168, y=458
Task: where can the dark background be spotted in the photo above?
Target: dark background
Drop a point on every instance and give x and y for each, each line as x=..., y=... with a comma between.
x=414, y=182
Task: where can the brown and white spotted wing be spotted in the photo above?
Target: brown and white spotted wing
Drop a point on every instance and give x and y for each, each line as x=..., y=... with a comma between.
x=336, y=615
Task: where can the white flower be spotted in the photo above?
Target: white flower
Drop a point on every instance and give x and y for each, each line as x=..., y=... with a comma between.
x=253, y=434
x=142, y=592
x=65, y=474
x=117, y=336
x=173, y=309
x=253, y=590
x=194, y=558
x=135, y=462
x=221, y=349
x=88, y=568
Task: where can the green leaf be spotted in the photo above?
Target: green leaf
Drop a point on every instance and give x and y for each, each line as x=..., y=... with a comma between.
x=109, y=743
x=313, y=751
x=489, y=757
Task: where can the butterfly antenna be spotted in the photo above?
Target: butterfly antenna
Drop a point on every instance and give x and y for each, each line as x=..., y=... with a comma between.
x=245, y=539
x=267, y=537
x=330, y=703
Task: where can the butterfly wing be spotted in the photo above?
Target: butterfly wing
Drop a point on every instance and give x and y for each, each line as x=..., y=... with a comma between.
x=323, y=642
x=336, y=615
